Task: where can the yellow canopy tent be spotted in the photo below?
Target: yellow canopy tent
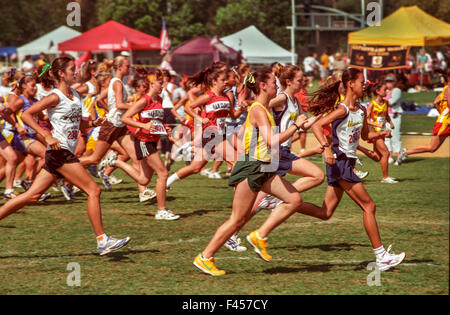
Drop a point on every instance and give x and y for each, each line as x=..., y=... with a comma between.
x=408, y=26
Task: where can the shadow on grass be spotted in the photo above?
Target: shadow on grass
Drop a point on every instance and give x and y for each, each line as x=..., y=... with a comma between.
x=7, y=227
x=412, y=160
x=306, y=268
x=116, y=256
x=325, y=247
x=198, y=213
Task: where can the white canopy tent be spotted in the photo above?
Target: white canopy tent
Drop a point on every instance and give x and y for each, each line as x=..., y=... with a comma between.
x=256, y=47
x=48, y=43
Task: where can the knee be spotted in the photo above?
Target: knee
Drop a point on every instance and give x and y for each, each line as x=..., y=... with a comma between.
x=94, y=191
x=370, y=208
x=319, y=177
x=295, y=201
x=196, y=169
x=163, y=174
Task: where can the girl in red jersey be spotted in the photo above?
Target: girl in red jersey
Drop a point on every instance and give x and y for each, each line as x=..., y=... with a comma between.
x=150, y=128
x=216, y=108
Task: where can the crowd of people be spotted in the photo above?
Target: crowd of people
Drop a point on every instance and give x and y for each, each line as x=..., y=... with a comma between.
x=60, y=121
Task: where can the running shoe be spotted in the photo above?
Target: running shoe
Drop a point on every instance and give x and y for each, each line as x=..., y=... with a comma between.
x=25, y=184
x=113, y=180
x=361, y=174
x=93, y=170
x=166, y=214
x=105, y=179
x=147, y=194
x=391, y=160
x=44, y=197
x=214, y=175
x=402, y=156
x=207, y=266
x=389, y=260
x=259, y=246
x=233, y=244
x=389, y=180
x=205, y=172
x=268, y=202
x=10, y=194
x=67, y=192
x=108, y=160
x=75, y=189
x=113, y=244
x=358, y=161
x=16, y=183
x=228, y=173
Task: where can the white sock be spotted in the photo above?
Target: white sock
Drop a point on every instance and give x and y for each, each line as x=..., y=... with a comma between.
x=102, y=240
x=259, y=236
x=172, y=179
x=379, y=251
x=7, y=191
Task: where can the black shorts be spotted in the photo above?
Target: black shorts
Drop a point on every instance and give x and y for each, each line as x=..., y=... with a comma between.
x=54, y=159
x=169, y=118
x=144, y=149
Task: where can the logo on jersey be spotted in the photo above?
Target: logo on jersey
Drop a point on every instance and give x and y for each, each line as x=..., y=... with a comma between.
x=352, y=124
x=217, y=106
x=74, y=116
x=153, y=114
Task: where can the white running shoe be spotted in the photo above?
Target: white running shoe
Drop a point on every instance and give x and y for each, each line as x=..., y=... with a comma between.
x=268, y=202
x=358, y=161
x=391, y=160
x=234, y=244
x=361, y=174
x=16, y=183
x=166, y=214
x=215, y=175
x=148, y=194
x=389, y=180
x=205, y=172
x=389, y=260
x=113, y=244
x=75, y=189
x=113, y=180
x=401, y=156
x=108, y=160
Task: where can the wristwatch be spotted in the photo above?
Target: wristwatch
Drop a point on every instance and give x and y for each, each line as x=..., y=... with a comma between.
x=326, y=145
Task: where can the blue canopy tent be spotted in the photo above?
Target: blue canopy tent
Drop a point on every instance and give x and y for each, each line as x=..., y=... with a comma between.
x=7, y=51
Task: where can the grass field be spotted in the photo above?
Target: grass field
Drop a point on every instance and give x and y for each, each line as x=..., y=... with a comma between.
x=310, y=256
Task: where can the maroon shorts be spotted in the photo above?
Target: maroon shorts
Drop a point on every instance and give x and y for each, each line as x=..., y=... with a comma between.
x=110, y=133
x=54, y=159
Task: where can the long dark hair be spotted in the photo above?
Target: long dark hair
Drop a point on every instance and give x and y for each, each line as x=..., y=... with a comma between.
x=322, y=101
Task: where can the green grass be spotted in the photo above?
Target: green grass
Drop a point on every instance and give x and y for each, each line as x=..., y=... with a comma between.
x=310, y=256
x=417, y=123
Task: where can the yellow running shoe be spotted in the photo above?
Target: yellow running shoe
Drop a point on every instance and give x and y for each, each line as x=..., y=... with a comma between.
x=207, y=266
x=259, y=246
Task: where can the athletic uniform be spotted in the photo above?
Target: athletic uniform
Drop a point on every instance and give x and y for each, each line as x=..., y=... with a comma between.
x=230, y=123
x=216, y=110
x=257, y=155
x=24, y=141
x=379, y=114
x=113, y=129
x=40, y=94
x=145, y=142
x=442, y=125
x=346, y=133
x=92, y=138
x=284, y=119
x=65, y=119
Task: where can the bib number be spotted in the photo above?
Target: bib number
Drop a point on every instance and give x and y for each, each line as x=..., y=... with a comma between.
x=72, y=134
x=160, y=129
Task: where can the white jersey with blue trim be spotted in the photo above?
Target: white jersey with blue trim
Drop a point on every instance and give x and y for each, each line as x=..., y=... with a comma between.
x=347, y=131
x=287, y=116
x=65, y=119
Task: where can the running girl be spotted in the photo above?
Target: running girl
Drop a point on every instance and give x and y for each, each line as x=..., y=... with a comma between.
x=252, y=174
x=64, y=109
x=349, y=123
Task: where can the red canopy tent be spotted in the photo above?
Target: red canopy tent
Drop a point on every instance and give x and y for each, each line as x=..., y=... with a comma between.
x=198, y=53
x=111, y=36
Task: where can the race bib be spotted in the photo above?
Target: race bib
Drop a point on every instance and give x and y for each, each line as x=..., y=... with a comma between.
x=160, y=129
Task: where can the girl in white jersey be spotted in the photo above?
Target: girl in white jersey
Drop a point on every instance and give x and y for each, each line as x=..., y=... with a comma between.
x=64, y=110
x=349, y=123
x=113, y=129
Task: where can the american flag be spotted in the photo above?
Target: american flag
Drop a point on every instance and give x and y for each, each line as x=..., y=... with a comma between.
x=164, y=38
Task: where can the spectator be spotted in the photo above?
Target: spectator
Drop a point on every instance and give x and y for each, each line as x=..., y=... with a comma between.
x=394, y=98
x=311, y=64
x=28, y=65
x=42, y=59
x=338, y=65
x=165, y=64
x=324, y=64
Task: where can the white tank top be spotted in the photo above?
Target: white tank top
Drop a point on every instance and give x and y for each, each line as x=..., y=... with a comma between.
x=347, y=131
x=287, y=116
x=114, y=115
x=65, y=119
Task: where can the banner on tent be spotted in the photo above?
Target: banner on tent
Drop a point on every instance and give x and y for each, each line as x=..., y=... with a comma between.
x=378, y=57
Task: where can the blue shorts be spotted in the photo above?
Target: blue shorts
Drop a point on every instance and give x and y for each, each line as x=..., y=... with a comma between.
x=342, y=169
x=21, y=143
x=285, y=162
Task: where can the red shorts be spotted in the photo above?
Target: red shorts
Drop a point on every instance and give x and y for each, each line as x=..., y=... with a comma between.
x=190, y=124
x=441, y=130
